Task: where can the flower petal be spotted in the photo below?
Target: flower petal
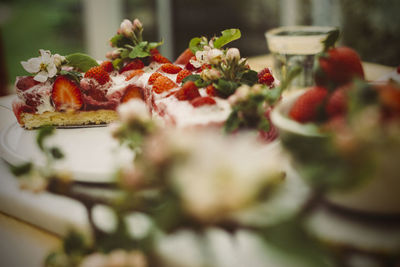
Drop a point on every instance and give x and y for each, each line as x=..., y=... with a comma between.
x=32, y=65
x=41, y=77
x=51, y=69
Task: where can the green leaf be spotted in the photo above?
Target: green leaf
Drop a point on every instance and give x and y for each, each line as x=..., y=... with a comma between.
x=227, y=37
x=81, y=61
x=232, y=123
x=120, y=40
x=264, y=124
x=153, y=45
x=225, y=88
x=56, y=153
x=273, y=95
x=19, y=170
x=138, y=52
x=192, y=77
x=42, y=134
x=76, y=76
x=331, y=39
x=117, y=63
x=125, y=53
x=249, y=77
x=74, y=243
x=195, y=45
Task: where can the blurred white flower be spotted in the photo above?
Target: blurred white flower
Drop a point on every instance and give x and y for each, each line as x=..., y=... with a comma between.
x=210, y=74
x=214, y=56
x=126, y=28
x=214, y=184
x=201, y=58
x=117, y=258
x=232, y=54
x=59, y=60
x=43, y=66
x=240, y=94
x=134, y=109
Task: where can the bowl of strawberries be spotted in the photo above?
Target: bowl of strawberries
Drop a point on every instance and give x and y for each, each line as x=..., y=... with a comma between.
x=343, y=134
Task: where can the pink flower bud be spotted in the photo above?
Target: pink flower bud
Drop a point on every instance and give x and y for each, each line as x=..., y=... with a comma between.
x=137, y=25
x=126, y=28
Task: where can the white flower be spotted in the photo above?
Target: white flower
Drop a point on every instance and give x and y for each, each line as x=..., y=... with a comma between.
x=134, y=109
x=210, y=74
x=117, y=258
x=126, y=28
x=214, y=184
x=214, y=56
x=43, y=66
x=59, y=60
x=240, y=94
x=233, y=54
x=201, y=58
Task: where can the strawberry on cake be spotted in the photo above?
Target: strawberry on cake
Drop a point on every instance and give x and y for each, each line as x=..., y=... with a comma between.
x=196, y=90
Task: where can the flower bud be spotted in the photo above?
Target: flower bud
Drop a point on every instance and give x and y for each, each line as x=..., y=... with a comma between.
x=58, y=60
x=115, y=54
x=233, y=54
x=210, y=74
x=137, y=25
x=109, y=55
x=126, y=28
x=214, y=56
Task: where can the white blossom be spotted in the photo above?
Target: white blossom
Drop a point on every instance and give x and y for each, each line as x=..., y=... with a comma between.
x=43, y=66
x=137, y=25
x=134, y=109
x=214, y=56
x=210, y=74
x=232, y=54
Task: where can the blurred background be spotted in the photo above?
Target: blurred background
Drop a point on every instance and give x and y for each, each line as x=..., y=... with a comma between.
x=371, y=27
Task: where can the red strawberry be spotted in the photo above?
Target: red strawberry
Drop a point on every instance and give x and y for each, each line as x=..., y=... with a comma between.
x=184, y=57
x=266, y=79
x=389, y=97
x=66, y=94
x=133, y=73
x=133, y=65
x=154, y=51
x=189, y=65
x=182, y=75
x=107, y=66
x=162, y=84
x=338, y=66
x=154, y=77
x=159, y=58
x=132, y=92
x=262, y=72
x=337, y=102
x=170, y=68
x=203, y=100
x=24, y=83
x=305, y=109
x=211, y=91
x=99, y=74
x=188, y=91
x=19, y=107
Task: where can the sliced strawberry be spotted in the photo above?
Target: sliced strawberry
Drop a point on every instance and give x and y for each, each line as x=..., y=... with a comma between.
x=99, y=74
x=133, y=65
x=19, y=107
x=96, y=94
x=182, y=75
x=170, y=68
x=188, y=91
x=132, y=92
x=202, y=100
x=153, y=77
x=162, y=84
x=134, y=73
x=66, y=94
x=306, y=108
x=159, y=58
x=25, y=83
x=107, y=66
x=184, y=57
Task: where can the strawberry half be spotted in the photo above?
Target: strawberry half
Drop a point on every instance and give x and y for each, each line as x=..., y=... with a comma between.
x=133, y=65
x=99, y=74
x=66, y=94
x=170, y=68
x=162, y=84
x=159, y=58
x=184, y=58
x=203, y=100
x=153, y=77
x=337, y=102
x=305, y=109
x=133, y=73
x=132, y=92
x=107, y=66
x=182, y=75
x=265, y=77
x=188, y=91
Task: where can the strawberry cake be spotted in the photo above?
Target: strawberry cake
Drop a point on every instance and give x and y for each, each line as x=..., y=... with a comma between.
x=193, y=91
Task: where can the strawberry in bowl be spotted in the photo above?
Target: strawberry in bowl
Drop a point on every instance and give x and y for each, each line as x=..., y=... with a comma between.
x=343, y=136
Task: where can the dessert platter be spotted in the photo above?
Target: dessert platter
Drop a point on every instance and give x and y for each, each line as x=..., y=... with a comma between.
x=216, y=161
